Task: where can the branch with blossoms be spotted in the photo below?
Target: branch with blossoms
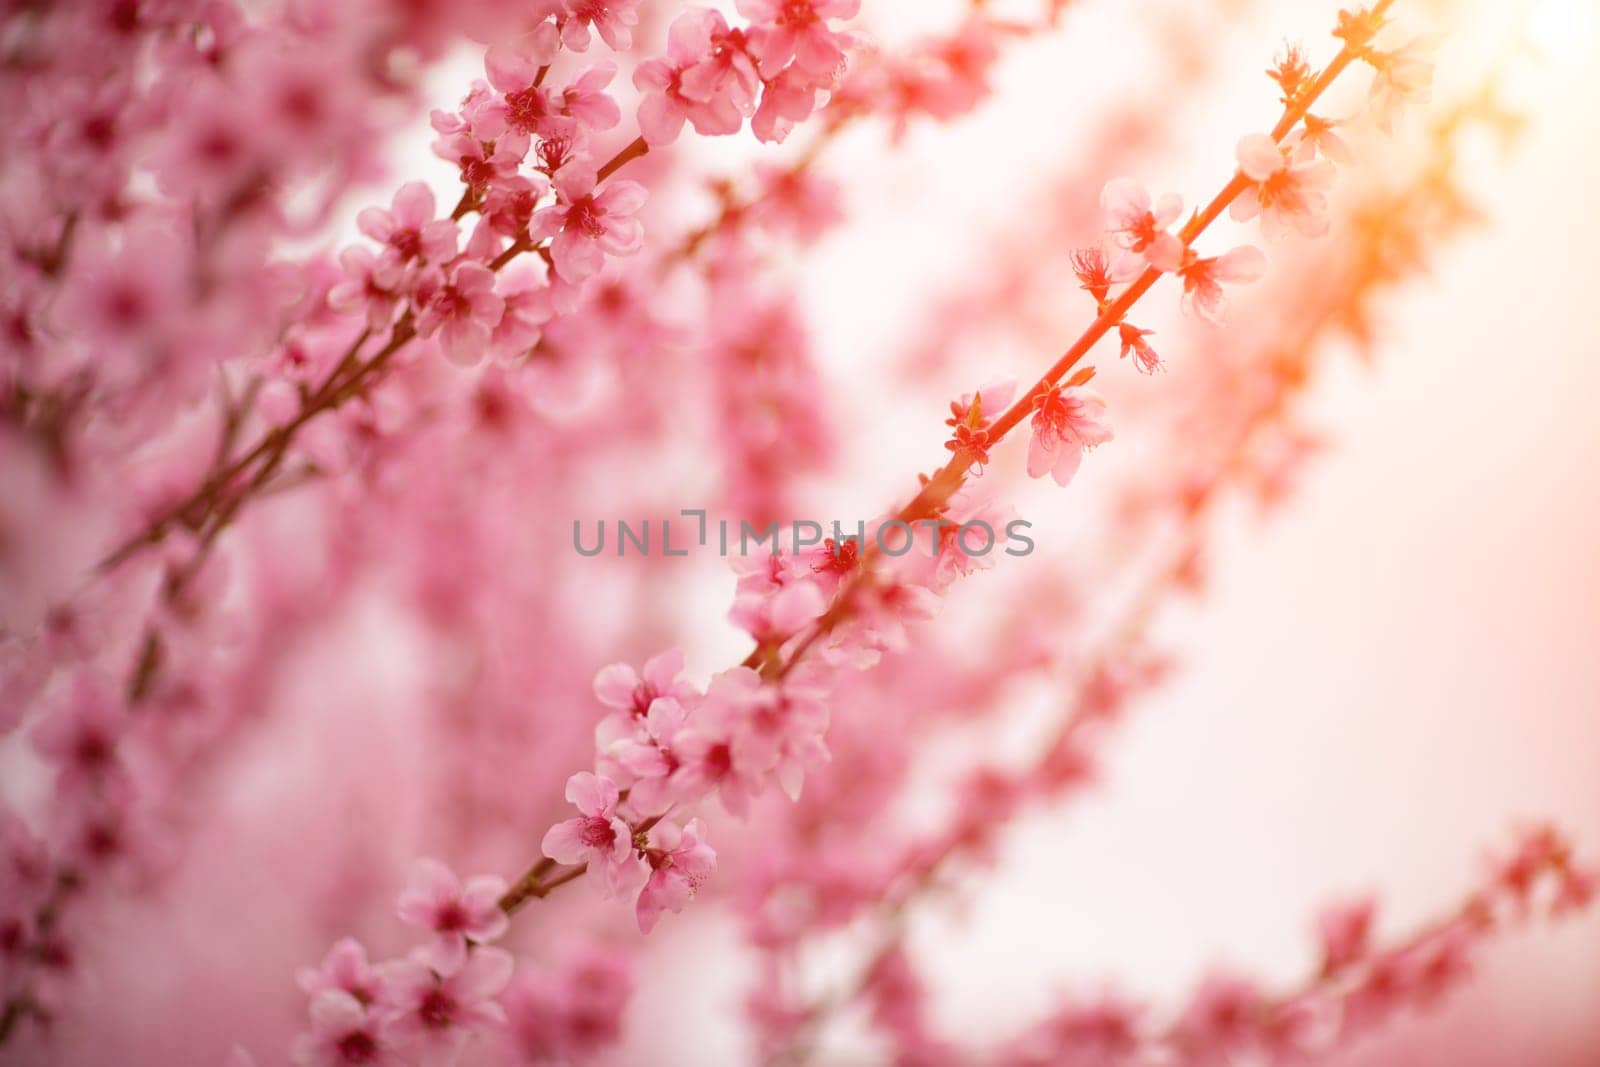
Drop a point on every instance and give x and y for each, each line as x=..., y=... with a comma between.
x=1358, y=985
x=429, y=283
x=777, y=605
x=1414, y=215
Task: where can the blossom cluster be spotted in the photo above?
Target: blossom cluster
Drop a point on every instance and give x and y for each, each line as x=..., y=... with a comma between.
x=227, y=460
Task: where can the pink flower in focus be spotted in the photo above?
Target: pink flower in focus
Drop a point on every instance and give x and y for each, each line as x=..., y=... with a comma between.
x=344, y=1033
x=462, y=309
x=586, y=226
x=1286, y=194
x=724, y=75
x=585, y=99
x=1203, y=278
x=680, y=862
x=435, y=1014
x=437, y=901
x=722, y=754
x=344, y=970
x=632, y=693
x=1066, y=422
x=598, y=836
x=407, y=229
x=700, y=80
x=645, y=755
x=1133, y=223
x=786, y=31
x=611, y=19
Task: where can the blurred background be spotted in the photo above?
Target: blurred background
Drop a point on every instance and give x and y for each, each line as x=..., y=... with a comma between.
x=1384, y=674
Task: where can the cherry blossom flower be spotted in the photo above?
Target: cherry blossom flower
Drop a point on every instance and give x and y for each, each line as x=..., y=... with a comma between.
x=680, y=862
x=789, y=100
x=613, y=20
x=82, y=738
x=1139, y=226
x=1133, y=341
x=598, y=836
x=1319, y=136
x=436, y=900
x=706, y=78
x=1286, y=194
x=1203, y=278
x=722, y=754
x=344, y=1032
x=435, y=1013
x=408, y=230
x=775, y=617
x=462, y=308
x=797, y=31
x=632, y=693
x=1066, y=422
x=345, y=970
x=644, y=755
x=586, y=226
x=483, y=165
x=371, y=286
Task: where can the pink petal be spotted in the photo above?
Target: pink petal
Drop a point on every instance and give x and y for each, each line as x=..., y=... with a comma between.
x=592, y=794
x=1259, y=157
x=1124, y=202
x=563, y=842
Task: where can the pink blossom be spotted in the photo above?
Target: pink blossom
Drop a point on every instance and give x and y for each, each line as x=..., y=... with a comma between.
x=789, y=100
x=82, y=738
x=1346, y=933
x=370, y=288
x=718, y=93
x=1134, y=224
x=345, y=970
x=1286, y=194
x=436, y=1013
x=1223, y=1020
x=1066, y=422
x=408, y=231
x=462, y=308
x=1319, y=136
x=797, y=200
x=611, y=19
x=619, y=686
x=598, y=836
x=1133, y=341
x=482, y=165
x=797, y=31
x=644, y=754
x=586, y=226
x=723, y=754
x=1203, y=278
x=775, y=617
x=722, y=71
x=343, y=1032
x=680, y=862
x=456, y=914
